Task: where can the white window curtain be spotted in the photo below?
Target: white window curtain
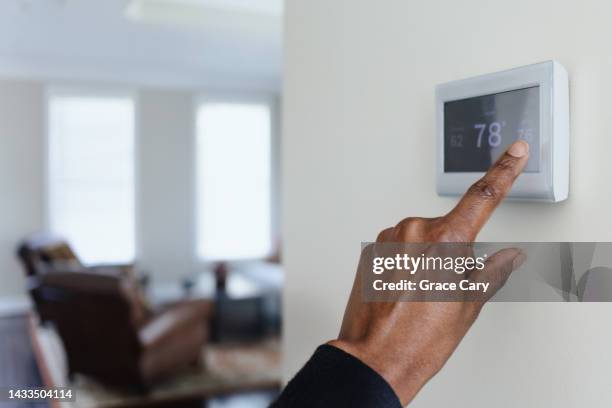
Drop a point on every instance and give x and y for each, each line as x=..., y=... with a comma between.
x=91, y=175
x=233, y=199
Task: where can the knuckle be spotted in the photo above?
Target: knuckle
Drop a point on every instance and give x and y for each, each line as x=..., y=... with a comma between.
x=402, y=232
x=409, y=227
x=507, y=163
x=484, y=189
x=382, y=235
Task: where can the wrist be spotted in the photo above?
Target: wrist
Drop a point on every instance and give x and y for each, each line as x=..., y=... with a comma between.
x=404, y=373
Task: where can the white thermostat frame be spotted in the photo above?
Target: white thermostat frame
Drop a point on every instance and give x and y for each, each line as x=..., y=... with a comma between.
x=551, y=182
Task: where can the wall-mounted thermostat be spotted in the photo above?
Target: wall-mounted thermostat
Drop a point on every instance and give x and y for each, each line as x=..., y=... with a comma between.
x=478, y=118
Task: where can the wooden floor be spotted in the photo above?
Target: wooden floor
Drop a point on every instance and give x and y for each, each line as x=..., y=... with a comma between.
x=18, y=369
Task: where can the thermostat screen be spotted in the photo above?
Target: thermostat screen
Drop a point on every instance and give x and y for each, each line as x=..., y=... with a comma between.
x=478, y=130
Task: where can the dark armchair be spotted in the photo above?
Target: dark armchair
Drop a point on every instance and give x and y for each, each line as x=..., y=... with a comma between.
x=103, y=319
x=43, y=253
x=110, y=335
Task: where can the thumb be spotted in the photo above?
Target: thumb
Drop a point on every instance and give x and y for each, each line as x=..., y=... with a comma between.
x=498, y=269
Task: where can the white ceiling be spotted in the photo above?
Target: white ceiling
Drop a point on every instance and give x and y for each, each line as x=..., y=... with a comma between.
x=212, y=43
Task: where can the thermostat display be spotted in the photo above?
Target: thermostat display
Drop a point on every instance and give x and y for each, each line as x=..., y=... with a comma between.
x=478, y=130
x=479, y=117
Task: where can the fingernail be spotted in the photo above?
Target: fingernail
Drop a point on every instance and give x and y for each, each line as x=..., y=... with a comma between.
x=519, y=149
x=518, y=260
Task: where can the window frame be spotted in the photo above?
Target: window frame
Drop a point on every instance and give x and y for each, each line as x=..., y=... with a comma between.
x=92, y=91
x=272, y=100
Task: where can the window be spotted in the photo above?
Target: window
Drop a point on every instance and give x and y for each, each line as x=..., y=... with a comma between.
x=91, y=175
x=233, y=181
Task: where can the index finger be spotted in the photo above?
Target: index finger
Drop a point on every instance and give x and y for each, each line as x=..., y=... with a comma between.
x=481, y=199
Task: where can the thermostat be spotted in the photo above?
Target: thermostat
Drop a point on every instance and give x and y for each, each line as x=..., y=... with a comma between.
x=479, y=118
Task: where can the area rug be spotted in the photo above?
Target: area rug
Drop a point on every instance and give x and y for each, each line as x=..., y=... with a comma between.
x=228, y=369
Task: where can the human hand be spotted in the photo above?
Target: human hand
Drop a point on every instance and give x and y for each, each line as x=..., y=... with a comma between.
x=407, y=343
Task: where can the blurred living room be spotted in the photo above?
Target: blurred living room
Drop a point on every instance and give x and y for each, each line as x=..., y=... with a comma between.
x=140, y=240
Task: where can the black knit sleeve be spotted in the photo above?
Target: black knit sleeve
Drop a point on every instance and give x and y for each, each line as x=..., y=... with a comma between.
x=334, y=378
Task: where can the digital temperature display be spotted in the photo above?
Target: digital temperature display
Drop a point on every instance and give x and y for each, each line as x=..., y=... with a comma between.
x=478, y=130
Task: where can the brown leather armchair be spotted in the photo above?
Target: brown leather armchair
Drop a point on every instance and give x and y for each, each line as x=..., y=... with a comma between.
x=39, y=252
x=42, y=253
x=110, y=335
x=107, y=328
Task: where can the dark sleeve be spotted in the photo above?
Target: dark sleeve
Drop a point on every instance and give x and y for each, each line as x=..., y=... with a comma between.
x=334, y=378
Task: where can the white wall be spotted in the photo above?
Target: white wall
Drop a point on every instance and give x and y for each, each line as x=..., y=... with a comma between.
x=359, y=155
x=21, y=169
x=165, y=185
